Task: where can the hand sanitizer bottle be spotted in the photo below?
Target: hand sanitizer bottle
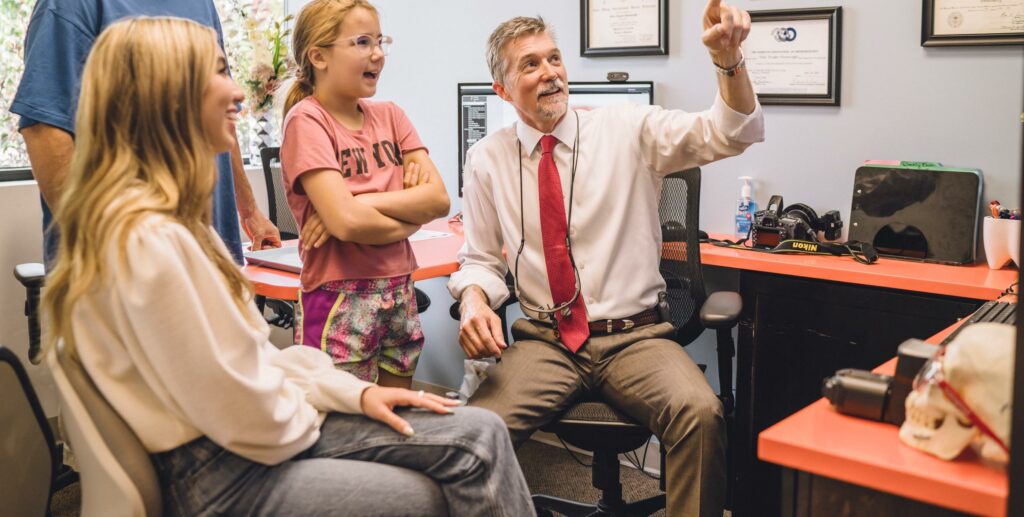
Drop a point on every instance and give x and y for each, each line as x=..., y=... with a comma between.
x=745, y=208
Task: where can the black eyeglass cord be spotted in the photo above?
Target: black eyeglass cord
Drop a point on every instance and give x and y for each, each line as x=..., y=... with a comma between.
x=568, y=224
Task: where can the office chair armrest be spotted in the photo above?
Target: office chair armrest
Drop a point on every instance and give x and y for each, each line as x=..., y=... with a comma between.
x=30, y=274
x=721, y=310
x=456, y=312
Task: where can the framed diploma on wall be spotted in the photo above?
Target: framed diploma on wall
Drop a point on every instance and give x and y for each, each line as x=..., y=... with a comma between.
x=972, y=22
x=793, y=55
x=623, y=28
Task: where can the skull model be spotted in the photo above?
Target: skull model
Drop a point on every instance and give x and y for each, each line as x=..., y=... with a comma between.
x=978, y=366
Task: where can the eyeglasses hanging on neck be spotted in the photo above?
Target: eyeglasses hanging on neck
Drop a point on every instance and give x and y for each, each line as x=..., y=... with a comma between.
x=549, y=311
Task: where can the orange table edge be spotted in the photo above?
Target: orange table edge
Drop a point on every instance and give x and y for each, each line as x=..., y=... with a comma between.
x=821, y=441
x=975, y=281
x=436, y=258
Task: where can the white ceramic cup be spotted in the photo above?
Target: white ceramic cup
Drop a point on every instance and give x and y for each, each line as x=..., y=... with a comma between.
x=1002, y=241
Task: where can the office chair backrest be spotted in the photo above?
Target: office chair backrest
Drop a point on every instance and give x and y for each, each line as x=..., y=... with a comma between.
x=277, y=201
x=679, y=211
x=117, y=474
x=27, y=454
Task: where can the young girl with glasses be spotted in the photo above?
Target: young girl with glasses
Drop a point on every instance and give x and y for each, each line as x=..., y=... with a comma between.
x=358, y=177
x=146, y=296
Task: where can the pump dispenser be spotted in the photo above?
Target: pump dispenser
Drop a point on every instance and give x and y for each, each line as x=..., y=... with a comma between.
x=745, y=208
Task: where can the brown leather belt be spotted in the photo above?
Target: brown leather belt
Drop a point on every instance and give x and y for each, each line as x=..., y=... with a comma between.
x=640, y=319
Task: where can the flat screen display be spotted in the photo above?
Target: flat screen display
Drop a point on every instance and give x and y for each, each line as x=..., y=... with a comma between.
x=482, y=112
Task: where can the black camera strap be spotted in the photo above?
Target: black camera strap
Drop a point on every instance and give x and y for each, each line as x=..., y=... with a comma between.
x=860, y=251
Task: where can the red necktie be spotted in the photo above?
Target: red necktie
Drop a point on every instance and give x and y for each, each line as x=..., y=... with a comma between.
x=573, y=330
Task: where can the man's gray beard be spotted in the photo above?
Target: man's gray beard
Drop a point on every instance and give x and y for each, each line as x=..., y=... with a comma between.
x=554, y=112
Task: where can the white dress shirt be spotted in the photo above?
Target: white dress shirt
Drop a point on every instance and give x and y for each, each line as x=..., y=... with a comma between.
x=623, y=154
x=166, y=345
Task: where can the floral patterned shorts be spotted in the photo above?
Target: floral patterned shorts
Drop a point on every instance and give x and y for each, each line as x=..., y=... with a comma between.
x=364, y=325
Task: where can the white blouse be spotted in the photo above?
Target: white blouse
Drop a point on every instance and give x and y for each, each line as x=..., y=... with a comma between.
x=164, y=342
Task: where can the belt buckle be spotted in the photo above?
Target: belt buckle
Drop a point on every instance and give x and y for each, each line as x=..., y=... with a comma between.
x=627, y=324
x=608, y=327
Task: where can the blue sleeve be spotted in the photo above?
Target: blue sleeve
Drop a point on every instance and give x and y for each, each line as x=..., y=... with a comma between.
x=218, y=28
x=55, y=52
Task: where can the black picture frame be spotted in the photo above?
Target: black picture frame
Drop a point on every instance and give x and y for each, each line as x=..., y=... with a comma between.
x=834, y=15
x=661, y=49
x=930, y=39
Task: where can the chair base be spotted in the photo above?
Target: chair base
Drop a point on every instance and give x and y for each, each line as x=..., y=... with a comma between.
x=545, y=504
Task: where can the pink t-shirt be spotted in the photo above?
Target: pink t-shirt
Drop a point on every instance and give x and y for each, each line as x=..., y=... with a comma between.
x=370, y=160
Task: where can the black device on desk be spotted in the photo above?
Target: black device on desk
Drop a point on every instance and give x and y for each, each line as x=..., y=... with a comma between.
x=798, y=221
x=917, y=210
x=876, y=396
x=993, y=311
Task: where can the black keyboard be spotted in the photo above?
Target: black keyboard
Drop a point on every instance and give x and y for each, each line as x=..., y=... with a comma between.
x=996, y=312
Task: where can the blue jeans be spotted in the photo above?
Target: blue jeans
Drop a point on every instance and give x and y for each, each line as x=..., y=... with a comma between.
x=461, y=464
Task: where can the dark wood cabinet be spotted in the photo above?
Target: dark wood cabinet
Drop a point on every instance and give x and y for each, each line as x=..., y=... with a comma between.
x=793, y=333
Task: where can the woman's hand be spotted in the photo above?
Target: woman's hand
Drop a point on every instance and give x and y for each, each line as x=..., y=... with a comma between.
x=379, y=403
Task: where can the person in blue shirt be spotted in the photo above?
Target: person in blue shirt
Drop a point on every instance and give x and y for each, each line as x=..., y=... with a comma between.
x=59, y=37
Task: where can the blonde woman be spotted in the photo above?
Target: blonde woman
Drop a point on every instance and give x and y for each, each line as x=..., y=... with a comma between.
x=148, y=299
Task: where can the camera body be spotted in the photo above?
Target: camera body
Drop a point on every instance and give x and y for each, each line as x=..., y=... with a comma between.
x=876, y=396
x=775, y=224
x=860, y=393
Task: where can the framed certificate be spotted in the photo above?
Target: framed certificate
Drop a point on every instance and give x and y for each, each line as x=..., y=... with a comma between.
x=793, y=55
x=972, y=22
x=623, y=27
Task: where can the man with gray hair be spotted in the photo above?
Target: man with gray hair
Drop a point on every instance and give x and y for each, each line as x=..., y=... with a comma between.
x=574, y=194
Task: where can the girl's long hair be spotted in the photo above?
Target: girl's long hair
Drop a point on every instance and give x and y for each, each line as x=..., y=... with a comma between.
x=140, y=150
x=318, y=24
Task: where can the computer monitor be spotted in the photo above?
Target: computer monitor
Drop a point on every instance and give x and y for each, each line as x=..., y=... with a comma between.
x=482, y=112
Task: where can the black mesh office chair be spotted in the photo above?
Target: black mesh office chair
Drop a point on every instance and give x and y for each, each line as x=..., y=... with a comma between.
x=595, y=426
x=277, y=200
x=278, y=212
x=281, y=216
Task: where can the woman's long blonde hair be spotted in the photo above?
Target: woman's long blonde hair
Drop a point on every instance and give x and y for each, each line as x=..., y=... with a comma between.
x=318, y=24
x=140, y=149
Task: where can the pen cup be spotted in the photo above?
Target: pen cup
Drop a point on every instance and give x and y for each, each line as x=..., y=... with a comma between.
x=1002, y=241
